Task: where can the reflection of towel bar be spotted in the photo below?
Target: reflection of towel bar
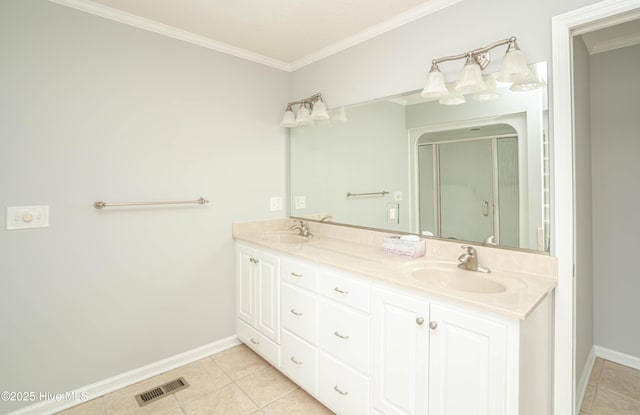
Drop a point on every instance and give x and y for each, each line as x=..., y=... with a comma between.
x=382, y=193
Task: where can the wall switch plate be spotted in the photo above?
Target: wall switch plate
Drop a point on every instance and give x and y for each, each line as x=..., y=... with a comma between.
x=393, y=213
x=397, y=196
x=27, y=217
x=275, y=203
x=300, y=202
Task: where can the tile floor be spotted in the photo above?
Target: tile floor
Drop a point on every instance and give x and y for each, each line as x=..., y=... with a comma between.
x=234, y=382
x=612, y=389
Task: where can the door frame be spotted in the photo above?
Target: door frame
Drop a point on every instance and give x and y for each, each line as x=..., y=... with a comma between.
x=563, y=28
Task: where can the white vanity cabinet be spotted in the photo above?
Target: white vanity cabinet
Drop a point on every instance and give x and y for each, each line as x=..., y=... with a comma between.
x=436, y=358
x=400, y=331
x=258, y=301
x=362, y=346
x=468, y=364
x=299, y=324
x=344, y=340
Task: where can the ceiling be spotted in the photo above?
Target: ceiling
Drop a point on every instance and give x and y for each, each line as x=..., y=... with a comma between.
x=286, y=34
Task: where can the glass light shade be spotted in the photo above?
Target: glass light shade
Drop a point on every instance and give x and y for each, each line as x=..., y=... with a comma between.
x=490, y=92
x=471, y=79
x=339, y=115
x=529, y=83
x=514, y=66
x=434, y=85
x=303, y=117
x=319, y=112
x=454, y=98
x=288, y=119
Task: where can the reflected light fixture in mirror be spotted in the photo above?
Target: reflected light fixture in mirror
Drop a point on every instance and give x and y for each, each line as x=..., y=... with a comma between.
x=490, y=93
x=454, y=98
x=514, y=68
x=310, y=109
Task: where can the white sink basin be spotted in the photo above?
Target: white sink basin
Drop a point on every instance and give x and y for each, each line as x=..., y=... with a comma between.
x=284, y=237
x=448, y=275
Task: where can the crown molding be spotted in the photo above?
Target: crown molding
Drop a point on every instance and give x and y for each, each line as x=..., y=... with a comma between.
x=120, y=16
x=595, y=45
x=170, y=31
x=393, y=23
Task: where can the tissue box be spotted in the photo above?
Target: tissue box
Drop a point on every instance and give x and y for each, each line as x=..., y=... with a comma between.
x=409, y=246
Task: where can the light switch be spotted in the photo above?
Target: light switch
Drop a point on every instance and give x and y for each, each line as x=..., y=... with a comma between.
x=27, y=217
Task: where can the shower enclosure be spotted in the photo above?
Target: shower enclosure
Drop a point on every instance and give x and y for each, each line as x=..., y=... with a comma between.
x=468, y=185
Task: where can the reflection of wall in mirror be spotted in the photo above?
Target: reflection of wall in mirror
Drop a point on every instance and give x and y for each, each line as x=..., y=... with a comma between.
x=367, y=154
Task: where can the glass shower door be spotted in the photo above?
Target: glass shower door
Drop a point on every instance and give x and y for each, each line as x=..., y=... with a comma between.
x=466, y=190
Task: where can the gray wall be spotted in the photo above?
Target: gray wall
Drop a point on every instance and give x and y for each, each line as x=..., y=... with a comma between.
x=583, y=209
x=93, y=109
x=366, y=154
x=616, y=169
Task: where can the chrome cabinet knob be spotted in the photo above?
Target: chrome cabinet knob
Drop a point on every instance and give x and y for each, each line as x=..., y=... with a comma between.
x=433, y=325
x=419, y=321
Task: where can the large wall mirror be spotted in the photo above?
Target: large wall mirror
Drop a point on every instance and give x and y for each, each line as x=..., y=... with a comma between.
x=475, y=172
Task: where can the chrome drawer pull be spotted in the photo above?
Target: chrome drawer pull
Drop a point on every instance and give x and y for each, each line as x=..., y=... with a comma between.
x=296, y=275
x=340, y=291
x=337, y=389
x=294, y=312
x=419, y=321
x=433, y=325
x=254, y=341
x=293, y=359
x=340, y=335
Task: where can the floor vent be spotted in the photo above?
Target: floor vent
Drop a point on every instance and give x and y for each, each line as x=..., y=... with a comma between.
x=159, y=392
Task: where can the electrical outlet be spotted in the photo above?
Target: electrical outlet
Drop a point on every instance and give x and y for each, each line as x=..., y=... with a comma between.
x=300, y=202
x=26, y=217
x=275, y=203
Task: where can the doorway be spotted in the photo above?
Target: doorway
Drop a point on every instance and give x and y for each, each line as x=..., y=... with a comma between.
x=567, y=235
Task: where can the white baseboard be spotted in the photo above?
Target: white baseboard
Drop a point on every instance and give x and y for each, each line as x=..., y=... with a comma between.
x=581, y=386
x=617, y=357
x=100, y=388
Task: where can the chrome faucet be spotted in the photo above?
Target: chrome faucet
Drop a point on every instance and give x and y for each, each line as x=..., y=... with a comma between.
x=469, y=260
x=302, y=228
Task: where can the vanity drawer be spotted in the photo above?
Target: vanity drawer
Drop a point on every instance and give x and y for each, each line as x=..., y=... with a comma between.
x=300, y=362
x=344, y=333
x=345, y=289
x=344, y=390
x=299, y=311
x=258, y=342
x=299, y=273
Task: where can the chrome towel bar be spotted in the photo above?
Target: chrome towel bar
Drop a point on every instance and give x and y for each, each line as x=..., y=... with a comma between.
x=100, y=204
x=382, y=193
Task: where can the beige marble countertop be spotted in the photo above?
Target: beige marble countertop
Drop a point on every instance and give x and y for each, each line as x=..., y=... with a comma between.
x=528, y=277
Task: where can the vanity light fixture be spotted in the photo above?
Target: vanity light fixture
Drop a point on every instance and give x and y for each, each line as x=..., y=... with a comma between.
x=514, y=68
x=309, y=110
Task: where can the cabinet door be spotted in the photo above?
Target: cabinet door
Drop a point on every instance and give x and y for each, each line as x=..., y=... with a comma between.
x=268, y=295
x=467, y=364
x=400, y=332
x=245, y=284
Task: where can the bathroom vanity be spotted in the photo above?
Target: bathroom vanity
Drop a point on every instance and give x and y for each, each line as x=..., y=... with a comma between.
x=369, y=333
